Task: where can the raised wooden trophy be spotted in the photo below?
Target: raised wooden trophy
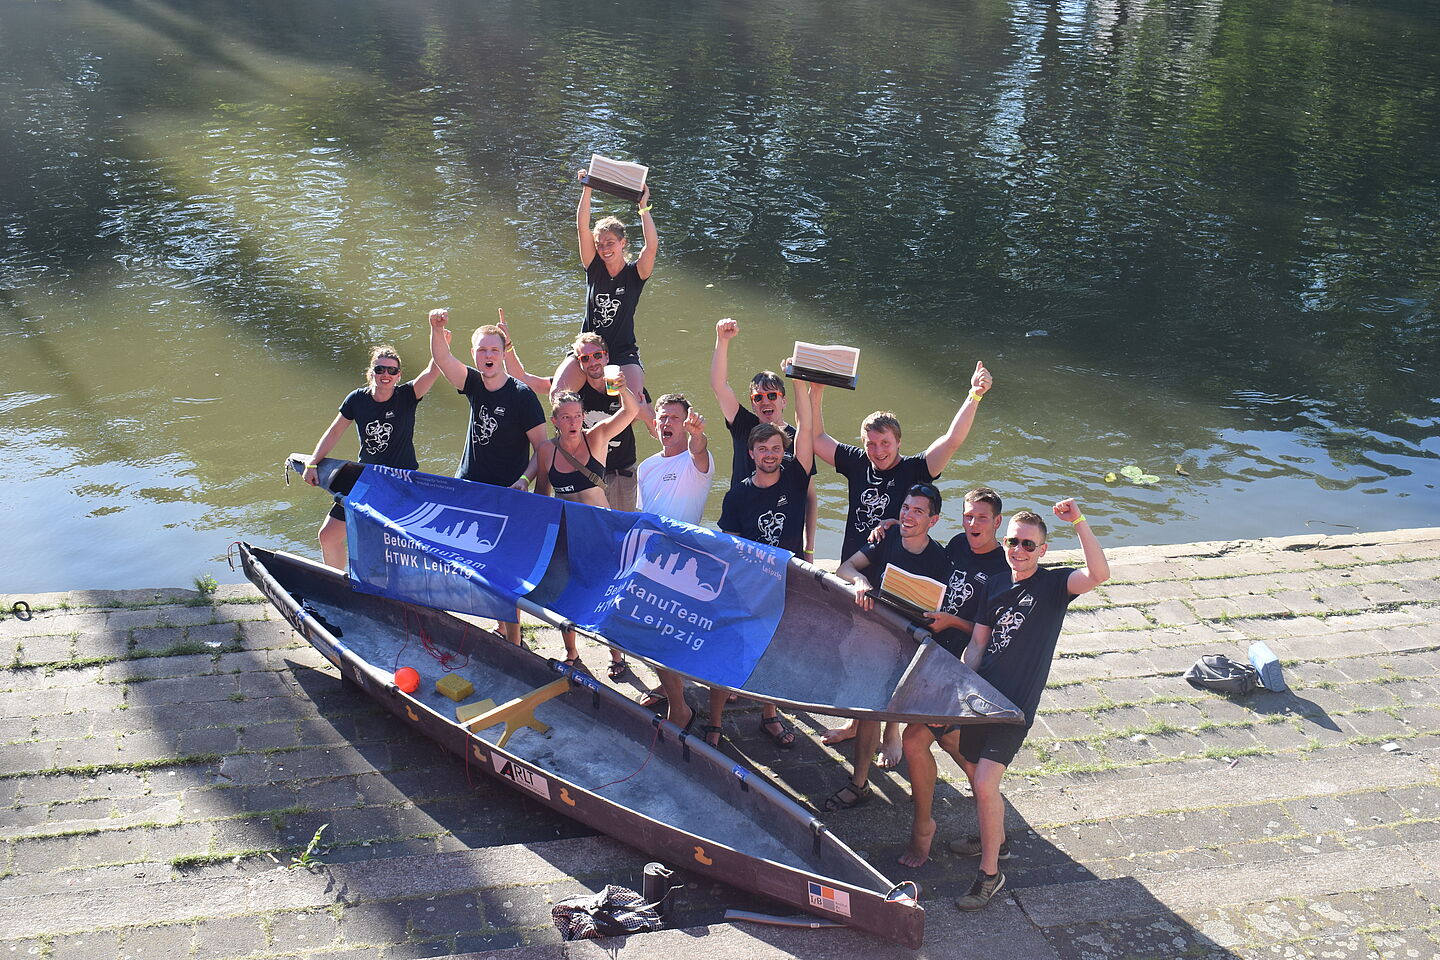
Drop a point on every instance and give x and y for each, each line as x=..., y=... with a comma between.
x=616, y=177
x=832, y=365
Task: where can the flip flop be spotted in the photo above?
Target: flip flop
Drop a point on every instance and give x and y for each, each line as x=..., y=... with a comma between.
x=654, y=700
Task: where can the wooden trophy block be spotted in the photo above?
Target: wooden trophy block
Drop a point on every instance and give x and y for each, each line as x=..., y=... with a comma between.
x=833, y=365
x=910, y=594
x=616, y=177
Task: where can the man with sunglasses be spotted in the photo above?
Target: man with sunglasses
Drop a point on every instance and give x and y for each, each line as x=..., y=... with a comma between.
x=1012, y=647
x=589, y=349
x=767, y=405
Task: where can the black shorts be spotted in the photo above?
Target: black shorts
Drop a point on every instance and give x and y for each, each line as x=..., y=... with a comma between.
x=338, y=511
x=986, y=741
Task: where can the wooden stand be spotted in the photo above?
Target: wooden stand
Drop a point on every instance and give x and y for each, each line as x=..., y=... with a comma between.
x=519, y=712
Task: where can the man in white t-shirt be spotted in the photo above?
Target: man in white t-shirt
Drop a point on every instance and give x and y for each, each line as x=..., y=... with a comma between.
x=674, y=483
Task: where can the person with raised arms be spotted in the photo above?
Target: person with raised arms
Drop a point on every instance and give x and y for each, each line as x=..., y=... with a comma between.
x=1012, y=648
x=573, y=462
x=383, y=412
x=674, y=483
x=507, y=423
x=770, y=506
x=598, y=403
x=612, y=290
x=878, y=477
x=767, y=405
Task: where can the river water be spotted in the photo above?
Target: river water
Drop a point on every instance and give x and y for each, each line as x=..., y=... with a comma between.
x=1186, y=234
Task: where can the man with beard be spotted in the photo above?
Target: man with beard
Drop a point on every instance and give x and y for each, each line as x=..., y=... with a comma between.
x=770, y=506
x=767, y=406
x=589, y=349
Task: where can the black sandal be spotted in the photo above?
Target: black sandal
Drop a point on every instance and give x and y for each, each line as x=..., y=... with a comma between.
x=617, y=669
x=576, y=663
x=654, y=700
x=707, y=730
x=848, y=796
x=783, y=737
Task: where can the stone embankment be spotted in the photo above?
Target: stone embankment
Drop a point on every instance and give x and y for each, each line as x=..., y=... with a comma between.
x=167, y=757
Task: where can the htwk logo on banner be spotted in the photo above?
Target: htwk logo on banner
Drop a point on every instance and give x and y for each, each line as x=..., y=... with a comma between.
x=661, y=560
x=474, y=531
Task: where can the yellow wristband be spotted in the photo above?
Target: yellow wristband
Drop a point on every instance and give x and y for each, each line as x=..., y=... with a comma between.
x=1079, y=519
x=312, y=466
x=645, y=209
x=977, y=397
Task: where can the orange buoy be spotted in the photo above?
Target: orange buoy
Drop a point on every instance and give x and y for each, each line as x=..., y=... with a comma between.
x=407, y=679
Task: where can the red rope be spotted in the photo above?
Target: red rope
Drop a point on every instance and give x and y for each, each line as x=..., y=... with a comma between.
x=648, y=754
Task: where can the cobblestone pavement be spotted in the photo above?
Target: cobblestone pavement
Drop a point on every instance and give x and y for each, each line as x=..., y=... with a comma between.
x=166, y=756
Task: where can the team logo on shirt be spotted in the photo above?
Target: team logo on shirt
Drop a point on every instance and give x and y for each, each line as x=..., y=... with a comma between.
x=871, y=509
x=377, y=436
x=958, y=593
x=606, y=307
x=1005, y=629
x=484, y=426
x=771, y=525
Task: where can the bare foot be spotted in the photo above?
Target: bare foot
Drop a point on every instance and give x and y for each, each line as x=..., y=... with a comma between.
x=921, y=836
x=836, y=735
x=888, y=758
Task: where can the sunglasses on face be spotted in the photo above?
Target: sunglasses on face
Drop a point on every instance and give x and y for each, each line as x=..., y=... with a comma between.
x=1029, y=546
x=382, y=368
x=760, y=395
x=593, y=356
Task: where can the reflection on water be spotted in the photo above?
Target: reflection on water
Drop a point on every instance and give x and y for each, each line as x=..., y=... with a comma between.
x=1194, y=235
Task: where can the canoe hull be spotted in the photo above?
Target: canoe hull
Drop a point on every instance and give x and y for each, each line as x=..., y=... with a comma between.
x=826, y=656
x=858, y=897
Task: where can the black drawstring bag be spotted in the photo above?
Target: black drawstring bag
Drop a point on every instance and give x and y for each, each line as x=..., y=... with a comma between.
x=613, y=912
x=1219, y=673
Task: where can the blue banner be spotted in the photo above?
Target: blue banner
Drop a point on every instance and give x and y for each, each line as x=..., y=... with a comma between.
x=448, y=543
x=703, y=603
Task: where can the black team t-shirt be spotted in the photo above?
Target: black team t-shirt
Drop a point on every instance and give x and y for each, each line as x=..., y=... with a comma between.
x=875, y=495
x=1025, y=622
x=610, y=307
x=975, y=575
x=773, y=514
x=741, y=465
x=387, y=430
x=497, y=449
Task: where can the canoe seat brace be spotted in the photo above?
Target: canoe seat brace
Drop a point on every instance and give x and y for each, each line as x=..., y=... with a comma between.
x=519, y=712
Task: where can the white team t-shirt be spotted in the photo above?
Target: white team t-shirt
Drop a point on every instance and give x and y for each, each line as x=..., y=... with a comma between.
x=673, y=487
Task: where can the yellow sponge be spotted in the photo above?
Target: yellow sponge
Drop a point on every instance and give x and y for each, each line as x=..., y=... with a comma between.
x=454, y=686
x=468, y=712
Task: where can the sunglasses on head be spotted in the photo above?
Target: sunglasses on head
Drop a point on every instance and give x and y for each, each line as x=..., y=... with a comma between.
x=593, y=356
x=382, y=368
x=759, y=395
x=1029, y=546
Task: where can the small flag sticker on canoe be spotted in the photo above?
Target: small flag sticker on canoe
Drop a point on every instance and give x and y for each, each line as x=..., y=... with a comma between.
x=828, y=898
